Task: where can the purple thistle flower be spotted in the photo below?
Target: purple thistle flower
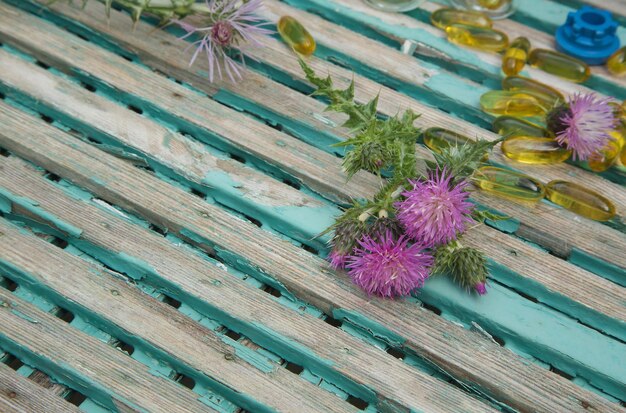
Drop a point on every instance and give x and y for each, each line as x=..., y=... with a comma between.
x=337, y=260
x=388, y=267
x=586, y=125
x=481, y=288
x=434, y=211
x=230, y=25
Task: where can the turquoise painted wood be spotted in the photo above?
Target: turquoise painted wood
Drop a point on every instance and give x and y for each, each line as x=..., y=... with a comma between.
x=133, y=194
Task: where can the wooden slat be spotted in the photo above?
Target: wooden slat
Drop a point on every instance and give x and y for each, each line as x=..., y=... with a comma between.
x=592, y=238
x=97, y=370
x=21, y=395
x=257, y=315
x=227, y=181
x=459, y=352
x=563, y=279
x=88, y=287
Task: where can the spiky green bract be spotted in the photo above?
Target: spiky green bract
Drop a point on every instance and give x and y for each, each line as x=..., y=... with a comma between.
x=164, y=9
x=466, y=265
x=462, y=160
x=378, y=144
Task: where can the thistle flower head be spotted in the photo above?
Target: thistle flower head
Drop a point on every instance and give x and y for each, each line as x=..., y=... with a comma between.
x=584, y=125
x=230, y=24
x=434, y=211
x=337, y=259
x=388, y=267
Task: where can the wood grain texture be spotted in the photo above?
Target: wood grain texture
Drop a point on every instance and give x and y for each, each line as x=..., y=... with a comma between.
x=600, y=294
x=85, y=361
x=21, y=395
x=256, y=313
x=314, y=168
x=461, y=353
x=91, y=288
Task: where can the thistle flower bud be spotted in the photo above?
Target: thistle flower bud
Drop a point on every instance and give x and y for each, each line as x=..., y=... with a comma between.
x=467, y=266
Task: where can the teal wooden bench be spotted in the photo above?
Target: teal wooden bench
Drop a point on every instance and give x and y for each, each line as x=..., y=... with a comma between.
x=157, y=231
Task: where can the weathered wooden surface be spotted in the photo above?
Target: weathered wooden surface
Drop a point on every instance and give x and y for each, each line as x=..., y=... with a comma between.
x=269, y=306
x=21, y=395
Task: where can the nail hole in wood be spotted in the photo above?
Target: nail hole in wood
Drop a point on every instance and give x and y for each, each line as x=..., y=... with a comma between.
x=158, y=230
x=561, y=373
x=237, y=158
x=498, y=340
x=292, y=184
x=58, y=242
x=253, y=220
x=197, y=193
x=294, y=368
x=396, y=352
x=12, y=361
x=272, y=291
x=124, y=347
x=310, y=249
x=2, y=96
x=333, y=321
x=88, y=86
x=4, y=152
x=185, y=380
x=64, y=315
x=10, y=284
x=135, y=109
x=171, y=301
x=46, y=118
x=42, y=64
x=52, y=177
x=358, y=403
x=231, y=334
x=431, y=308
x=75, y=397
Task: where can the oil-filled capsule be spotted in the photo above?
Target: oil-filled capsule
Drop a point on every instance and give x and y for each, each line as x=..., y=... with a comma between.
x=512, y=126
x=543, y=92
x=445, y=17
x=482, y=38
x=580, y=200
x=515, y=57
x=533, y=150
x=296, y=36
x=511, y=102
x=559, y=64
x=617, y=62
x=509, y=184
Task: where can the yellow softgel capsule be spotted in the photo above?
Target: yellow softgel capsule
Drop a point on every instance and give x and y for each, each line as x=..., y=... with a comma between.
x=527, y=149
x=515, y=57
x=438, y=139
x=514, y=103
x=559, y=64
x=549, y=95
x=492, y=4
x=603, y=159
x=482, y=38
x=509, y=184
x=580, y=200
x=622, y=156
x=445, y=17
x=512, y=126
x=296, y=36
x=617, y=62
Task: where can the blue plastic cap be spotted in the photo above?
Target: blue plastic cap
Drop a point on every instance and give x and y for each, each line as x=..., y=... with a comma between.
x=589, y=35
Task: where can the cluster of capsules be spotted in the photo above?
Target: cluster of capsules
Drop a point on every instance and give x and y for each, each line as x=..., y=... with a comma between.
x=519, y=100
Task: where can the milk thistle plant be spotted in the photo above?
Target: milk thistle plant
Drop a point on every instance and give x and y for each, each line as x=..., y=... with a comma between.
x=413, y=226
x=226, y=25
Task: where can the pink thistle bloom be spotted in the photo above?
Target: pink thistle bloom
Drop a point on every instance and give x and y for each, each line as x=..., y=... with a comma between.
x=481, y=288
x=337, y=260
x=231, y=25
x=387, y=267
x=434, y=211
x=586, y=124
